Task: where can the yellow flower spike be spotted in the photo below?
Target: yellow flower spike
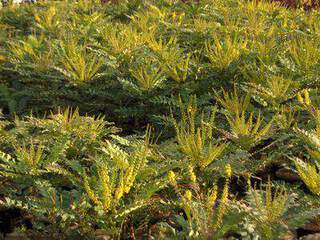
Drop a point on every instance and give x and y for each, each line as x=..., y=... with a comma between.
x=222, y=207
x=119, y=193
x=127, y=187
x=192, y=175
x=172, y=177
x=300, y=98
x=188, y=195
x=306, y=97
x=89, y=191
x=129, y=179
x=228, y=170
x=212, y=196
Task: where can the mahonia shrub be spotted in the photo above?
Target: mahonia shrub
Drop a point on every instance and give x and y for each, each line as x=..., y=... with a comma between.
x=159, y=119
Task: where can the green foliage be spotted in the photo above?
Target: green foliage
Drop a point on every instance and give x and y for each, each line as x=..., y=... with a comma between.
x=31, y=53
x=274, y=213
x=47, y=20
x=245, y=131
x=304, y=54
x=197, y=142
x=205, y=213
x=222, y=53
x=78, y=64
x=148, y=76
x=310, y=175
x=175, y=64
x=268, y=210
x=275, y=91
x=232, y=103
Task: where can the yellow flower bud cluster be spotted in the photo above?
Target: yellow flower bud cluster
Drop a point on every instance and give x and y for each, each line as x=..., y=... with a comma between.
x=130, y=176
x=303, y=97
x=212, y=197
x=172, y=178
x=188, y=195
x=105, y=184
x=192, y=175
x=126, y=181
x=119, y=193
x=89, y=191
x=228, y=170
